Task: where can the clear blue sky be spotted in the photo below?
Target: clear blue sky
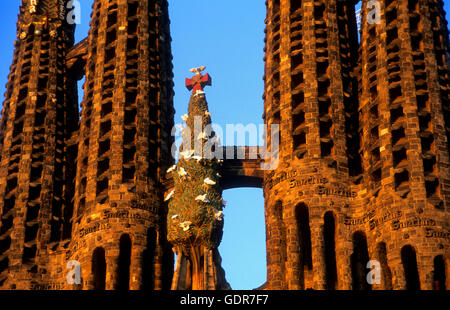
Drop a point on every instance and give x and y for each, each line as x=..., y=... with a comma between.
x=227, y=37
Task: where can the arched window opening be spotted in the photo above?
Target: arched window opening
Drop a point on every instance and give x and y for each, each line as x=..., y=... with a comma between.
x=123, y=272
x=359, y=260
x=409, y=262
x=148, y=261
x=168, y=264
x=385, y=270
x=99, y=268
x=439, y=276
x=329, y=235
x=304, y=236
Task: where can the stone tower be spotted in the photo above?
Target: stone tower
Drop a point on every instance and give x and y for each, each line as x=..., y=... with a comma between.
x=124, y=146
x=37, y=116
x=309, y=90
x=87, y=192
x=364, y=168
x=404, y=118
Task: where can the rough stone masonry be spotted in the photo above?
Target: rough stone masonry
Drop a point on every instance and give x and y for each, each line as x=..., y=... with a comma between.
x=364, y=162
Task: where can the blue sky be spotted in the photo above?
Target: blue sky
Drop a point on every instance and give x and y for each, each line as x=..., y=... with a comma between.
x=227, y=37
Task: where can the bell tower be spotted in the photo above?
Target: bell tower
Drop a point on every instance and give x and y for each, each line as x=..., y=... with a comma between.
x=404, y=117
x=38, y=112
x=124, y=147
x=310, y=91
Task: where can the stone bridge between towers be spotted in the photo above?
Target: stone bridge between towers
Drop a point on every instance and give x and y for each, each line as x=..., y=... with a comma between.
x=241, y=168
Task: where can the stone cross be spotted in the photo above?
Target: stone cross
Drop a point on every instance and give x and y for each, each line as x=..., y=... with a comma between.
x=199, y=81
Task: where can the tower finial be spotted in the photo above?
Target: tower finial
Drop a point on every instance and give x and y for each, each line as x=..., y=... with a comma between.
x=199, y=81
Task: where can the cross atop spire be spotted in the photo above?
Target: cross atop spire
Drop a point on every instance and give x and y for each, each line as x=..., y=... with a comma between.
x=199, y=81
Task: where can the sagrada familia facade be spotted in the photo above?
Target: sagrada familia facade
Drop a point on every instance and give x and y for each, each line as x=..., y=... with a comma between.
x=362, y=183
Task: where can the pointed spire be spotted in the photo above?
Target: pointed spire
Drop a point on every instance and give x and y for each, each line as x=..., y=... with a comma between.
x=198, y=119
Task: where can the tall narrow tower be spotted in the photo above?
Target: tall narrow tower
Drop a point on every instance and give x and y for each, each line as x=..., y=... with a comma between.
x=404, y=130
x=328, y=212
x=310, y=91
x=124, y=147
x=35, y=119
